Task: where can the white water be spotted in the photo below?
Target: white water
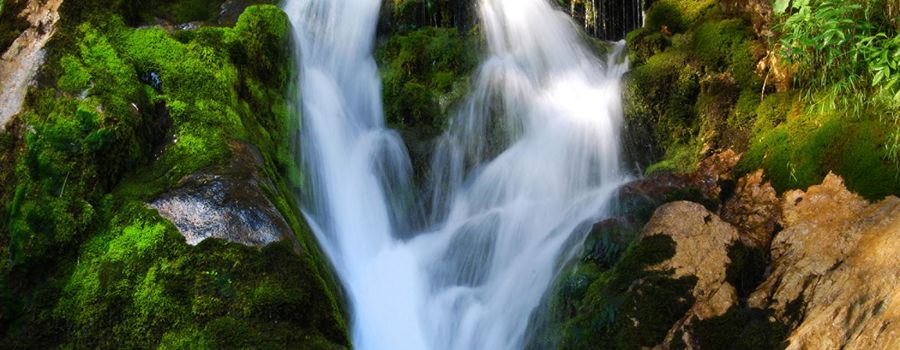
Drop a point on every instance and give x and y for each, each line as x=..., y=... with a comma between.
x=504, y=214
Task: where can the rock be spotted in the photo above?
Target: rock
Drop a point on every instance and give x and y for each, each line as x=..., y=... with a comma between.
x=20, y=63
x=714, y=172
x=835, y=273
x=231, y=10
x=228, y=202
x=702, y=243
x=759, y=12
x=755, y=210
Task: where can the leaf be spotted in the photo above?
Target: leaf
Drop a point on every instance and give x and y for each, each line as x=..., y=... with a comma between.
x=781, y=6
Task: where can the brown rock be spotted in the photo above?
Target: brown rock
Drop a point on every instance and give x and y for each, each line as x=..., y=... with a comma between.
x=759, y=12
x=713, y=170
x=755, y=209
x=702, y=240
x=835, y=270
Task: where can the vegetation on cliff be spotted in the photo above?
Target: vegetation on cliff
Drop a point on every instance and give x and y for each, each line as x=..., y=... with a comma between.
x=119, y=116
x=705, y=79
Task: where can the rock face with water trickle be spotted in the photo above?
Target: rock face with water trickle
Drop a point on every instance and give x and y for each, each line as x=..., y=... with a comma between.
x=605, y=19
x=227, y=202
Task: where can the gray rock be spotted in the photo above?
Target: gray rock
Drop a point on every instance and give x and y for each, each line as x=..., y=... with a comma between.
x=226, y=202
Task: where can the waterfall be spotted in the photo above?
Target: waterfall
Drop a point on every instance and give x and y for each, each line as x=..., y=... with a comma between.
x=530, y=160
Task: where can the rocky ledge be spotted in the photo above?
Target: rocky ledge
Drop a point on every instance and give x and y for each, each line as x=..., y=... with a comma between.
x=833, y=273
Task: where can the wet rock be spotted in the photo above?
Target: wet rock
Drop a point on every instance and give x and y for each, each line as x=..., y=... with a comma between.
x=607, y=20
x=702, y=243
x=152, y=79
x=20, y=63
x=227, y=202
x=835, y=273
x=755, y=209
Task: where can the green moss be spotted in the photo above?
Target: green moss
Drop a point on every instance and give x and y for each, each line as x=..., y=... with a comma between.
x=643, y=43
x=676, y=15
x=681, y=159
x=423, y=71
x=662, y=92
x=91, y=266
x=630, y=306
x=425, y=74
x=801, y=151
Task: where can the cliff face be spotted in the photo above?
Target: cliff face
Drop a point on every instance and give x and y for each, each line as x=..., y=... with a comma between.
x=143, y=116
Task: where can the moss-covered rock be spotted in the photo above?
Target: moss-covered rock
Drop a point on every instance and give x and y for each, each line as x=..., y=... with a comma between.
x=425, y=74
x=695, y=89
x=124, y=114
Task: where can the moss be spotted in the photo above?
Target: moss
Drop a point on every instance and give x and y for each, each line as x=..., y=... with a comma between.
x=425, y=75
x=681, y=159
x=661, y=93
x=677, y=16
x=136, y=110
x=630, y=306
x=801, y=151
x=11, y=24
x=643, y=43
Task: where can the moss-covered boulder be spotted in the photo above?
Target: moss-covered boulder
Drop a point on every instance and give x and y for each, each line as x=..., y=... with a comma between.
x=425, y=74
x=120, y=116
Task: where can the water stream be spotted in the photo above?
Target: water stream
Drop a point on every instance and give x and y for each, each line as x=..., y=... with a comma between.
x=528, y=162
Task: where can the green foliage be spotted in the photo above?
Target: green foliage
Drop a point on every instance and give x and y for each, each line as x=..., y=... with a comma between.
x=850, y=49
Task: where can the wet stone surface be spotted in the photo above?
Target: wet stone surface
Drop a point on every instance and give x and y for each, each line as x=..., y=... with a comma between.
x=226, y=202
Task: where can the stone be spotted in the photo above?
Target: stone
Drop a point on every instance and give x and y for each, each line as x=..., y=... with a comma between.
x=755, y=210
x=20, y=63
x=714, y=171
x=834, y=274
x=227, y=202
x=702, y=242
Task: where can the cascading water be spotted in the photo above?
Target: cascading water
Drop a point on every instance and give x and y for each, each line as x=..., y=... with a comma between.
x=526, y=164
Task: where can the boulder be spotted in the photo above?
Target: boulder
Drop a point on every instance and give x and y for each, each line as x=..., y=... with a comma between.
x=21, y=61
x=227, y=202
x=834, y=272
x=702, y=243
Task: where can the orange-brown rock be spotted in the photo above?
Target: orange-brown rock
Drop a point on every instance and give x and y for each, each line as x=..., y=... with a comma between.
x=713, y=170
x=755, y=209
x=702, y=242
x=835, y=270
